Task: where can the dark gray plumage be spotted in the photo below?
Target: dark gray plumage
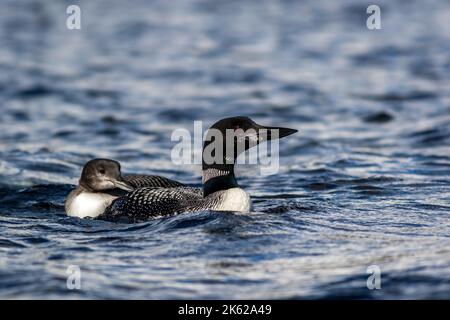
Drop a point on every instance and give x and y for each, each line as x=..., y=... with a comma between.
x=140, y=181
x=143, y=203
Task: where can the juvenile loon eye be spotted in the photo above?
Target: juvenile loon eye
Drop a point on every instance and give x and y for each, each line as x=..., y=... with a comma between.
x=101, y=171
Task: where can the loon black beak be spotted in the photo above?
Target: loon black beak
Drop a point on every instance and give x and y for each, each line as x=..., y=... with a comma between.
x=270, y=133
x=122, y=185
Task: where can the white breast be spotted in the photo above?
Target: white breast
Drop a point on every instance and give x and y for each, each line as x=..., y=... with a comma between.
x=234, y=199
x=88, y=204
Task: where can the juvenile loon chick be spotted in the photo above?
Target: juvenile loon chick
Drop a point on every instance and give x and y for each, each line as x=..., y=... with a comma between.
x=220, y=189
x=101, y=182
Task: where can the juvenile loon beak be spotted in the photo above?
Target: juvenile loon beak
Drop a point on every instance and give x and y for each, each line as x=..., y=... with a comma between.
x=122, y=185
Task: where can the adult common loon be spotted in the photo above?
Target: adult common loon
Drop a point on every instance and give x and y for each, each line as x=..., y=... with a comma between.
x=220, y=189
x=101, y=183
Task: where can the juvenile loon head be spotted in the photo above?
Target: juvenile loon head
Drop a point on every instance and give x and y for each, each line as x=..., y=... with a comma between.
x=102, y=174
x=224, y=142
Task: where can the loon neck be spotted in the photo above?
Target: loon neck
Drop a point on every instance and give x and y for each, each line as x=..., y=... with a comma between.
x=218, y=178
x=84, y=187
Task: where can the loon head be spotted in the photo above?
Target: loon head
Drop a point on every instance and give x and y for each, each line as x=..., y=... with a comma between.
x=225, y=141
x=101, y=175
x=229, y=137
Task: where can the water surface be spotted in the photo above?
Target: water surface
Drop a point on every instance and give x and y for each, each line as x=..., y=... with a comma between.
x=365, y=182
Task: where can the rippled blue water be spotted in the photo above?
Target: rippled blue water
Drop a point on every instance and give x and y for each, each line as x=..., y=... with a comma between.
x=366, y=181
